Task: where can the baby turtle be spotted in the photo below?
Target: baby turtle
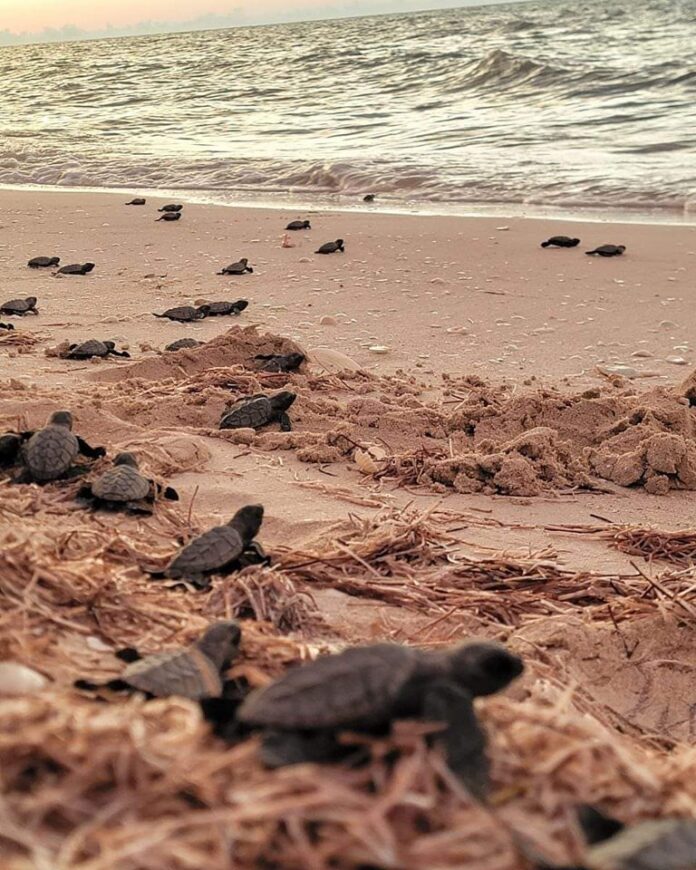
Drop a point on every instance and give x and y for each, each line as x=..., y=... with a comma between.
x=254, y=412
x=137, y=201
x=10, y=446
x=76, y=269
x=123, y=487
x=370, y=197
x=169, y=216
x=43, y=262
x=92, y=347
x=607, y=251
x=331, y=247
x=7, y=326
x=185, y=313
x=220, y=550
x=193, y=672
x=218, y=309
x=560, y=242
x=170, y=208
x=182, y=343
x=238, y=268
x=299, y=225
x=277, y=362
x=367, y=688
x=20, y=307
x=49, y=453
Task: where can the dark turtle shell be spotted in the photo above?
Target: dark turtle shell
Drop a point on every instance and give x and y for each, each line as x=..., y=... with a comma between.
x=354, y=687
x=218, y=309
x=50, y=452
x=250, y=413
x=189, y=673
x=88, y=349
x=238, y=268
x=182, y=343
x=43, y=262
x=182, y=313
x=298, y=225
x=212, y=551
x=122, y=483
x=666, y=844
x=76, y=269
x=18, y=306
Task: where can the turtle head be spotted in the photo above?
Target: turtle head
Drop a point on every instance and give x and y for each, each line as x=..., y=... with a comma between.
x=61, y=418
x=87, y=267
x=126, y=459
x=241, y=304
x=282, y=401
x=243, y=260
x=110, y=344
x=295, y=360
x=339, y=242
x=621, y=248
x=484, y=667
x=54, y=261
x=220, y=643
x=204, y=310
x=247, y=521
x=307, y=225
x=31, y=301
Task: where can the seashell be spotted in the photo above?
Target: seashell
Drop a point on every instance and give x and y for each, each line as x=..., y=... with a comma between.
x=365, y=462
x=18, y=679
x=332, y=360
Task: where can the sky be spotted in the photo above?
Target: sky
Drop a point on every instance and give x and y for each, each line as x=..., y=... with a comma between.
x=29, y=20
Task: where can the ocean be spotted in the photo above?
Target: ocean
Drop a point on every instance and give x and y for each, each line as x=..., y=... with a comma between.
x=557, y=104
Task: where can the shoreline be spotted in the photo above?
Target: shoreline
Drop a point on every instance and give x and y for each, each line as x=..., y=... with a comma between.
x=345, y=203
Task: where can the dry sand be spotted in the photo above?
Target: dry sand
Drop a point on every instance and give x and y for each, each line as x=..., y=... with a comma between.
x=494, y=406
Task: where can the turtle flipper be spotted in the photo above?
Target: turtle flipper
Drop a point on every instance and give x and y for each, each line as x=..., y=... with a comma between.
x=285, y=422
x=91, y=452
x=282, y=748
x=170, y=493
x=74, y=471
x=23, y=476
x=254, y=555
x=128, y=654
x=463, y=738
x=123, y=353
x=138, y=508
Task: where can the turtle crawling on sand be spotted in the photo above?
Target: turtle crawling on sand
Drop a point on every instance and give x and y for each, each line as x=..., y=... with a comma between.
x=169, y=216
x=123, y=487
x=171, y=208
x=77, y=269
x=607, y=251
x=220, y=550
x=139, y=200
x=20, y=307
x=238, y=268
x=8, y=326
x=193, y=672
x=49, y=453
x=43, y=262
x=367, y=688
x=185, y=313
x=219, y=309
x=279, y=362
x=182, y=343
x=560, y=242
x=331, y=247
x=92, y=347
x=254, y=412
x=299, y=225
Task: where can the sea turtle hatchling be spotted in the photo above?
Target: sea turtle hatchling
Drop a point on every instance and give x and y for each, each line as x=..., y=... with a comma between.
x=279, y=362
x=367, y=688
x=220, y=550
x=607, y=251
x=183, y=343
x=254, y=412
x=92, y=347
x=331, y=247
x=185, y=313
x=219, y=309
x=8, y=326
x=20, y=307
x=43, y=262
x=193, y=672
x=76, y=269
x=238, y=268
x=139, y=200
x=560, y=242
x=171, y=208
x=169, y=216
x=299, y=225
x=49, y=453
x=123, y=487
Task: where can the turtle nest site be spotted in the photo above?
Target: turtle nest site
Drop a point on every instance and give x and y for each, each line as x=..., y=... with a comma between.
x=418, y=544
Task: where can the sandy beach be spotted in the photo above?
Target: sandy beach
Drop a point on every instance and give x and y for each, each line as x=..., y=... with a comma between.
x=521, y=416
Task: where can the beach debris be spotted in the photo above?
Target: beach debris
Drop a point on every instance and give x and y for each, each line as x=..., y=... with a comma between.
x=285, y=242
x=254, y=412
x=333, y=360
x=608, y=251
x=331, y=247
x=171, y=208
x=8, y=326
x=219, y=309
x=20, y=307
x=185, y=313
x=620, y=369
x=169, y=216
x=364, y=461
x=183, y=343
x=299, y=225
x=502, y=229
x=139, y=200
x=123, y=487
x=220, y=550
x=94, y=348
x=49, y=453
x=367, y=688
x=379, y=348
x=238, y=268
x=76, y=269
x=43, y=262
x=18, y=679
x=193, y=672
x=677, y=360
x=560, y=242
x=328, y=320
x=370, y=197
x=278, y=362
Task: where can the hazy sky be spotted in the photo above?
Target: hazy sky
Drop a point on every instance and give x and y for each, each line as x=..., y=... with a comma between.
x=34, y=16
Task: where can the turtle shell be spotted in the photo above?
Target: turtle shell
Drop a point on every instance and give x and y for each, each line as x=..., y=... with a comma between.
x=235, y=269
x=188, y=672
x=50, y=452
x=122, y=483
x=71, y=269
x=89, y=348
x=360, y=685
x=41, y=262
x=183, y=313
x=220, y=308
x=666, y=844
x=252, y=413
x=182, y=343
x=212, y=551
x=16, y=306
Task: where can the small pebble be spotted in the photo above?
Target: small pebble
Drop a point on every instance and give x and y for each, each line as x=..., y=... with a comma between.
x=327, y=320
x=677, y=361
x=379, y=348
x=18, y=679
